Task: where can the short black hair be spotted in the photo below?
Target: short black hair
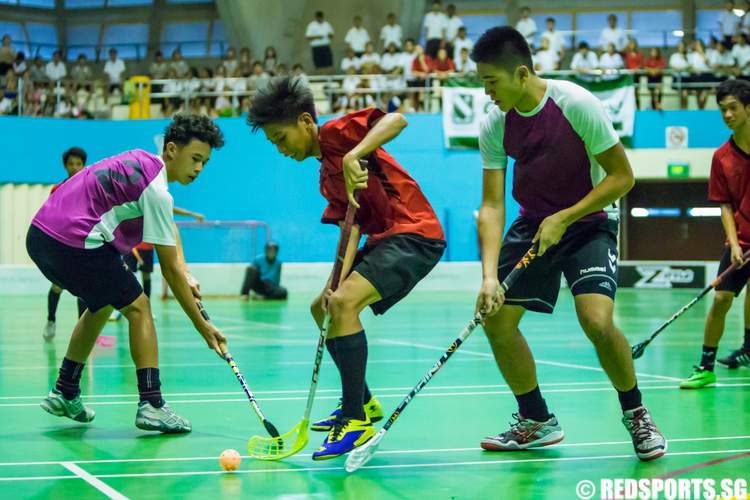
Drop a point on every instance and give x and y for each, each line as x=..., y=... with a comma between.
x=282, y=100
x=583, y=45
x=739, y=89
x=74, y=151
x=549, y=20
x=186, y=127
x=503, y=46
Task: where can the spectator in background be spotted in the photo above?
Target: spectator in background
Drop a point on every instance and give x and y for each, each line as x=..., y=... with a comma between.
x=464, y=64
x=741, y=54
x=9, y=98
x=350, y=61
x=527, y=26
x=654, y=66
x=546, y=59
x=19, y=65
x=611, y=59
x=357, y=37
x=407, y=58
x=299, y=72
x=678, y=62
x=746, y=19
x=633, y=57
x=259, y=77
x=319, y=33
x=699, y=72
x=178, y=64
x=351, y=80
x=612, y=34
x=584, y=60
x=246, y=64
x=230, y=62
x=391, y=32
x=729, y=22
x=556, y=39
x=55, y=69
x=7, y=55
x=452, y=25
x=37, y=71
x=461, y=42
x=159, y=68
x=434, y=25
x=421, y=68
x=281, y=70
x=80, y=72
x=270, y=60
x=369, y=59
x=723, y=63
x=114, y=69
x=263, y=276
x=443, y=65
x=390, y=62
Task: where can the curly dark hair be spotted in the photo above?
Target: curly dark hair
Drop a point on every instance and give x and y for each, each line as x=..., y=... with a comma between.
x=739, y=89
x=281, y=100
x=74, y=151
x=504, y=47
x=186, y=127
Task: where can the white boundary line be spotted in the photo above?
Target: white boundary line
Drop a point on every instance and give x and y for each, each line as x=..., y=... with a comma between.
x=96, y=483
x=385, y=466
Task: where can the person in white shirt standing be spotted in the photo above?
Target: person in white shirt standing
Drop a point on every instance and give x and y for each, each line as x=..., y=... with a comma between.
x=320, y=32
x=357, y=37
x=527, y=26
x=741, y=54
x=461, y=42
x=729, y=22
x=114, y=68
x=546, y=59
x=434, y=25
x=55, y=69
x=391, y=32
x=613, y=34
x=556, y=39
x=451, y=29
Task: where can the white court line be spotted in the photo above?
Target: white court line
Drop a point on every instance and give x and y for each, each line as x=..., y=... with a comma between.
x=380, y=452
x=427, y=394
x=374, y=467
x=538, y=361
x=96, y=483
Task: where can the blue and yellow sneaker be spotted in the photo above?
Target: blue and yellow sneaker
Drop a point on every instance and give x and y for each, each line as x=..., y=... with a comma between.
x=372, y=410
x=346, y=434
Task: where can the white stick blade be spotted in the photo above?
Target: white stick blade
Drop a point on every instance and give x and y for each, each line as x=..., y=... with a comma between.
x=363, y=454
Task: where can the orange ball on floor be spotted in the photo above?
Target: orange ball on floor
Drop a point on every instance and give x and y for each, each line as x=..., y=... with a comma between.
x=230, y=460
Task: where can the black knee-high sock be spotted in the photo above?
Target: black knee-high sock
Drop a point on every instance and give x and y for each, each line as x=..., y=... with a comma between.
x=149, y=386
x=330, y=345
x=69, y=379
x=746, y=343
x=52, y=300
x=351, y=353
x=81, y=307
x=532, y=405
x=630, y=400
x=147, y=287
x=708, y=357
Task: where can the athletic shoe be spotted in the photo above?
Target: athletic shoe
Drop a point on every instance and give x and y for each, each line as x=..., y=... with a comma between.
x=372, y=409
x=56, y=404
x=699, y=379
x=648, y=442
x=525, y=433
x=740, y=357
x=162, y=419
x=346, y=434
x=49, y=331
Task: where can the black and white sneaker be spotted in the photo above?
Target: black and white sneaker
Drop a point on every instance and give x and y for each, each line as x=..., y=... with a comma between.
x=525, y=433
x=648, y=442
x=739, y=357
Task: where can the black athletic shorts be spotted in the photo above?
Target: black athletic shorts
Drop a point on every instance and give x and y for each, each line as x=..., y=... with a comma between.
x=586, y=255
x=322, y=56
x=395, y=265
x=737, y=279
x=147, y=256
x=98, y=276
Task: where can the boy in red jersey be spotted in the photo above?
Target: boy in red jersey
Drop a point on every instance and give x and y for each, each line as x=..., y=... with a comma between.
x=729, y=185
x=405, y=239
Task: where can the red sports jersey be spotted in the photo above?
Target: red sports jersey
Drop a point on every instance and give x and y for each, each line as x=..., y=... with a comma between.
x=730, y=183
x=392, y=204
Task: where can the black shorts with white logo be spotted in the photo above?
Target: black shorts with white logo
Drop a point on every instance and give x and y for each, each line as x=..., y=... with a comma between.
x=586, y=255
x=737, y=279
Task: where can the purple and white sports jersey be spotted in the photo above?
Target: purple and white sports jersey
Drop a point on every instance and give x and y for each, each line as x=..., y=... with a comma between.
x=122, y=200
x=553, y=146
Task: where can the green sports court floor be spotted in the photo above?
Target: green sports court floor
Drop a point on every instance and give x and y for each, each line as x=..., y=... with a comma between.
x=431, y=452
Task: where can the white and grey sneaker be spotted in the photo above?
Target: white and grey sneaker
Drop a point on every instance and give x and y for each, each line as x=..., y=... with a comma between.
x=525, y=433
x=162, y=419
x=56, y=404
x=49, y=331
x=648, y=442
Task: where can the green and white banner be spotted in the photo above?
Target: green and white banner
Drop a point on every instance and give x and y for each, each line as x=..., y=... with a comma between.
x=465, y=105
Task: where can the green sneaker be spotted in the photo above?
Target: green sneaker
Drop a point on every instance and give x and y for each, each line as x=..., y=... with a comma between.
x=162, y=419
x=74, y=409
x=699, y=379
x=372, y=409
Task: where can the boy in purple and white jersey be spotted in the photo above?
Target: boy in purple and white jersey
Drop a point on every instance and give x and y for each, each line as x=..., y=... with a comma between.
x=570, y=168
x=77, y=240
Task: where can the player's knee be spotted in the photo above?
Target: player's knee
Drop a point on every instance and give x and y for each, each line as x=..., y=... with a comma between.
x=723, y=300
x=598, y=327
x=139, y=308
x=340, y=304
